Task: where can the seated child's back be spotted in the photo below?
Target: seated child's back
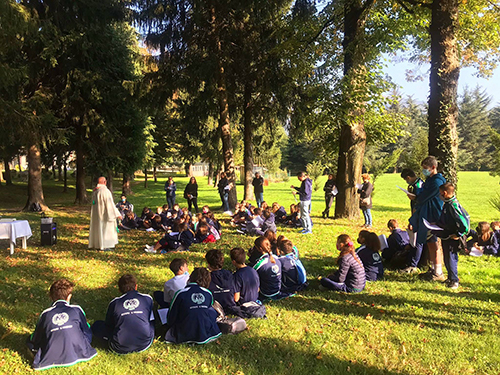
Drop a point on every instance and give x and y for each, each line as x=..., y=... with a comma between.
x=246, y=279
x=62, y=336
x=370, y=257
x=222, y=281
x=293, y=273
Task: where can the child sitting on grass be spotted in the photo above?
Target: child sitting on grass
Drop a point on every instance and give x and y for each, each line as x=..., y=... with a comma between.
x=246, y=279
x=370, y=257
x=128, y=326
x=174, y=241
x=222, y=281
x=350, y=277
x=398, y=245
x=191, y=317
x=483, y=239
x=269, y=269
x=293, y=273
x=455, y=222
x=179, y=268
x=62, y=335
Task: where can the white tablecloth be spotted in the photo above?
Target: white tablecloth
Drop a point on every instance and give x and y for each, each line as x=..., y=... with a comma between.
x=12, y=230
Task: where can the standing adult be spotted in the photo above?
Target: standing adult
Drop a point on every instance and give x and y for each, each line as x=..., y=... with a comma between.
x=170, y=188
x=224, y=186
x=428, y=206
x=258, y=188
x=103, y=234
x=305, y=193
x=365, y=199
x=330, y=192
x=191, y=194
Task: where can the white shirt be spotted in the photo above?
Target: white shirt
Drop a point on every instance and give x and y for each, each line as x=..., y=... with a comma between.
x=173, y=285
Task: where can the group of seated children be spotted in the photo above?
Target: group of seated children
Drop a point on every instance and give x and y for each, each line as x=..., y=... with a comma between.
x=186, y=230
x=356, y=266
x=485, y=240
x=256, y=221
x=63, y=337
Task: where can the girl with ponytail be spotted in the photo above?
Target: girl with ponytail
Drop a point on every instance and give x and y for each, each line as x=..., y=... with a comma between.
x=350, y=277
x=269, y=269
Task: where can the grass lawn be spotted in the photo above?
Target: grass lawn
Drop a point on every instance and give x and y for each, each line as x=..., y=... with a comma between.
x=399, y=326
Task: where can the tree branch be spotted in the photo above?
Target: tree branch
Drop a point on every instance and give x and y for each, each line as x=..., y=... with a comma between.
x=419, y=3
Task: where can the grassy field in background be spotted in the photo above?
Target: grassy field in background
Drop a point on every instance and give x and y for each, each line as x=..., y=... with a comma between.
x=398, y=326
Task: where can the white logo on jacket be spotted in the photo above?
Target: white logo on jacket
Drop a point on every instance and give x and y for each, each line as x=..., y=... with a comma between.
x=60, y=319
x=131, y=304
x=275, y=269
x=198, y=298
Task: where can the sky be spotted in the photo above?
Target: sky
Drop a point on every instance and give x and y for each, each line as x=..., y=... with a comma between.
x=419, y=90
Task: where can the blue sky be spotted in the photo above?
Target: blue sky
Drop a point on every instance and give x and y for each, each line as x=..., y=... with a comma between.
x=419, y=90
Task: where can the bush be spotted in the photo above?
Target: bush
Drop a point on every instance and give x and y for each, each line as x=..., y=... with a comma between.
x=315, y=171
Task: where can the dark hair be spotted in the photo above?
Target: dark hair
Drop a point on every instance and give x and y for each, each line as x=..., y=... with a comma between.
x=266, y=213
x=165, y=206
x=301, y=174
x=483, y=231
x=60, y=289
x=203, y=228
x=407, y=172
x=448, y=187
x=392, y=224
x=215, y=258
x=263, y=246
x=200, y=276
x=257, y=211
x=285, y=246
x=192, y=178
x=363, y=234
x=373, y=242
x=127, y=283
x=176, y=264
x=238, y=255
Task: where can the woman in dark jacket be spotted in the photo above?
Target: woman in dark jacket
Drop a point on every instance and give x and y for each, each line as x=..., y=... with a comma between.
x=365, y=199
x=191, y=194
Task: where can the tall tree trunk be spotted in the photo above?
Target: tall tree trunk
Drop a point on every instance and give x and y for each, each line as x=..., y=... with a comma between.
x=7, y=175
x=53, y=170
x=65, y=169
x=210, y=173
x=145, y=178
x=224, y=121
x=126, y=190
x=352, y=133
x=81, y=190
x=188, y=168
x=35, y=188
x=19, y=162
x=154, y=174
x=445, y=70
x=109, y=181
x=248, y=142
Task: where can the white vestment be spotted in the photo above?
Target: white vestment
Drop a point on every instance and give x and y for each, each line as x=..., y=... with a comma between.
x=103, y=215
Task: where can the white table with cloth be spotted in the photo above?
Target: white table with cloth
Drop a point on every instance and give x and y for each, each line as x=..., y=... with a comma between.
x=12, y=230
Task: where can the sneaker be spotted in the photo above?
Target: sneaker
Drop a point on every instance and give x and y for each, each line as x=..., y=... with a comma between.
x=306, y=232
x=453, y=285
x=409, y=270
x=240, y=231
x=150, y=249
x=434, y=277
x=228, y=213
x=427, y=274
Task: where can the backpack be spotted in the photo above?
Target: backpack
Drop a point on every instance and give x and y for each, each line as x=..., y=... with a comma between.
x=227, y=325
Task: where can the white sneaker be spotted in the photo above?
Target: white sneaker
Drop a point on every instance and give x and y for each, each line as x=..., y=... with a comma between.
x=150, y=249
x=228, y=213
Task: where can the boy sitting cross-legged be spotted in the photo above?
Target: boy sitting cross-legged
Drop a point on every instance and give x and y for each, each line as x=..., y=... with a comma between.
x=129, y=325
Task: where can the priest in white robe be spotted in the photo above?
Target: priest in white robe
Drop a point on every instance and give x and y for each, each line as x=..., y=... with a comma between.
x=103, y=234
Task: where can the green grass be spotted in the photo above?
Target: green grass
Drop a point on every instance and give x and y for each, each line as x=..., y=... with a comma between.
x=398, y=326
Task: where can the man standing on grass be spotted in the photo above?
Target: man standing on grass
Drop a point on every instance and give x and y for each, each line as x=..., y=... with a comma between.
x=258, y=188
x=103, y=234
x=305, y=193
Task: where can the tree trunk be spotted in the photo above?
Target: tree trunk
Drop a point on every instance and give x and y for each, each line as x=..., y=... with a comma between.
x=248, y=142
x=224, y=121
x=210, y=173
x=109, y=181
x=19, y=162
x=81, y=190
x=126, y=190
x=53, y=170
x=145, y=179
x=7, y=175
x=59, y=168
x=352, y=133
x=65, y=169
x=188, y=168
x=154, y=174
x=445, y=70
x=35, y=188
